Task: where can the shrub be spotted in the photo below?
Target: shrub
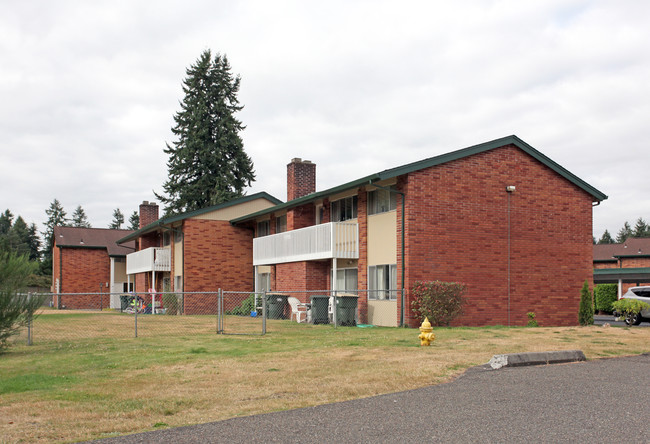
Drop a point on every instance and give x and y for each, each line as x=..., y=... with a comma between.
x=441, y=302
x=629, y=306
x=16, y=308
x=247, y=306
x=532, y=322
x=605, y=295
x=586, y=311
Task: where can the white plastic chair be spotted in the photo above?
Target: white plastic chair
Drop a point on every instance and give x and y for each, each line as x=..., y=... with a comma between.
x=298, y=309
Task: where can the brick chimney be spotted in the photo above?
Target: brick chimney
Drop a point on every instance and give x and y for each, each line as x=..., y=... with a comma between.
x=148, y=213
x=301, y=178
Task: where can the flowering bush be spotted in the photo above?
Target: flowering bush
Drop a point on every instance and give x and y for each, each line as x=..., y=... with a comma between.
x=441, y=302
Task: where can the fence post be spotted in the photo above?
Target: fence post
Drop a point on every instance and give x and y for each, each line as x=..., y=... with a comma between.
x=219, y=314
x=136, y=315
x=264, y=312
x=29, y=331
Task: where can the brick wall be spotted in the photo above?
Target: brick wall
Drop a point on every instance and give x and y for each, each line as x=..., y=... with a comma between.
x=82, y=272
x=300, y=217
x=148, y=213
x=301, y=276
x=457, y=230
x=216, y=255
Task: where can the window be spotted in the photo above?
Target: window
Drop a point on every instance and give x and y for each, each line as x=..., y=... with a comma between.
x=264, y=281
x=344, y=209
x=382, y=282
x=263, y=228
x=127, y=287
x=346, y=279
x=320, y=214
x=178, y=283
x=167, y=238
x=281, y=224
x=381, y=201
x=178, y=236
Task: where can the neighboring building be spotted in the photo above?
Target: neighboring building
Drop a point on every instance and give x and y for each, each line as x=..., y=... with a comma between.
x=88, y=261
x=500, y=217
x=198, y=251
x=626, y=264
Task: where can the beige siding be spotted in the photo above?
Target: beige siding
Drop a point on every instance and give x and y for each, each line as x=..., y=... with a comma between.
x=236, y=211
x=120, y=272
x=382, y=238
x=383, y=313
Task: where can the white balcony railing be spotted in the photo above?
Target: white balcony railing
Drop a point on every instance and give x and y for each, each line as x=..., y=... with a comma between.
x=325, y=241
x=149, y=259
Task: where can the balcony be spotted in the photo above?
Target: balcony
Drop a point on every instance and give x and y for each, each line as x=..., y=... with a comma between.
x=149, y=259
x=325, y=241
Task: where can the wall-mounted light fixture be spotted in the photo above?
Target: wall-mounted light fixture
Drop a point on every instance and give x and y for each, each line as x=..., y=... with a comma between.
x=511, y=188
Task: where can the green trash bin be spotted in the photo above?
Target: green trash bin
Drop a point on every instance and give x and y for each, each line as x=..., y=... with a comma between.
x=124, y=302
x=346, y=310
x=319, y=309
x=276, y=305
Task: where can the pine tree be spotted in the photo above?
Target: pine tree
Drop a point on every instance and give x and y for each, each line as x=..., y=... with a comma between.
x=624, y=233
x=79, y=218
x=56, y=217
x=586, y=311
x=6, y=220
x=19, y=237
x=118, y=220
x=606, y=238
x=641, y=228
x=207, y=163
x=134, y=221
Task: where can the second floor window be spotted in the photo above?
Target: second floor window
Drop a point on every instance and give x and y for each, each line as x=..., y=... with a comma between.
x=281, y=224
x=344, y=209
x=263, y=228
x=381, y=201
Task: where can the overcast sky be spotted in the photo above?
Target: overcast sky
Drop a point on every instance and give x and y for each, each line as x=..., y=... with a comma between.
x=88, y=90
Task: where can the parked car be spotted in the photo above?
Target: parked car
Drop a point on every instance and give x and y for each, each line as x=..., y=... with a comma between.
x=641, y=294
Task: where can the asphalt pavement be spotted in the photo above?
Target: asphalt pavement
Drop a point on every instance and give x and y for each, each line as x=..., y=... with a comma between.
x=595, y=401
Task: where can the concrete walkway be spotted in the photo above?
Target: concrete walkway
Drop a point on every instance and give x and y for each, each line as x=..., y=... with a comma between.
x=595, y=401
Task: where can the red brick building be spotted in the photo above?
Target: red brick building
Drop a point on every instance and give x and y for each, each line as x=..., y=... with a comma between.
x=198, y=251
x=89, y=262
x=626, y=264
x=500, y=217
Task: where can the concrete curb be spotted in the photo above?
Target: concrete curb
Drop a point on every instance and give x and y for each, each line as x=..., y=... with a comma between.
x=539, y=358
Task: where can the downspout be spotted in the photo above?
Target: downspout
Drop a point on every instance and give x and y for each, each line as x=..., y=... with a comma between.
x=402, y=311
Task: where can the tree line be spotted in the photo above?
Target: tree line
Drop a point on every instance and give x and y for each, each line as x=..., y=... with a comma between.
x=641, y=229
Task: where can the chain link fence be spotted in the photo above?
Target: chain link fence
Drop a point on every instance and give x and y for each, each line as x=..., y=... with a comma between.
x=77, y=316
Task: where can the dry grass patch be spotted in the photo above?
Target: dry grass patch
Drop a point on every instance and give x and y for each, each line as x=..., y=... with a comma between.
x=119, y=386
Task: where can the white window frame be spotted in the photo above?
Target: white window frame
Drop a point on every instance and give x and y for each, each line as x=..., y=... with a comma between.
x=347, y=279
x=344, y=209
x=382, y=282
x=381, y=200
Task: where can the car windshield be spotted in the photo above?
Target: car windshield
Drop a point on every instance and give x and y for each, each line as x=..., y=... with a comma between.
x=643, y=292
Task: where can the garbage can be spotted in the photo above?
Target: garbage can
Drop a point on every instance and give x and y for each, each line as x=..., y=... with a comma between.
x=319, y=309
x=346, y=310
x=124, y=302
x=276, y=305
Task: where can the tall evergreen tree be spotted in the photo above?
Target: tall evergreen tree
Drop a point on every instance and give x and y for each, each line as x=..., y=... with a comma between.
x=6, y=220
x=56, y=217
x=79, y=218
x=606, y=238
x=19, y=237
x=134, y=221
x=118, y=220
x=624, y=233
x=34, y=243
x=641, y=228
x=207, y=163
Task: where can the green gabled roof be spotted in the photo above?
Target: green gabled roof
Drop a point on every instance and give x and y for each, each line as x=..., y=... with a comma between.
x=433, y=161
x=179, y=217
x=621, y=271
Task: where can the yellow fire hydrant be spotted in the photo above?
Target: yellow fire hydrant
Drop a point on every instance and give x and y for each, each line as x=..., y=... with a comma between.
x=426, y=333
